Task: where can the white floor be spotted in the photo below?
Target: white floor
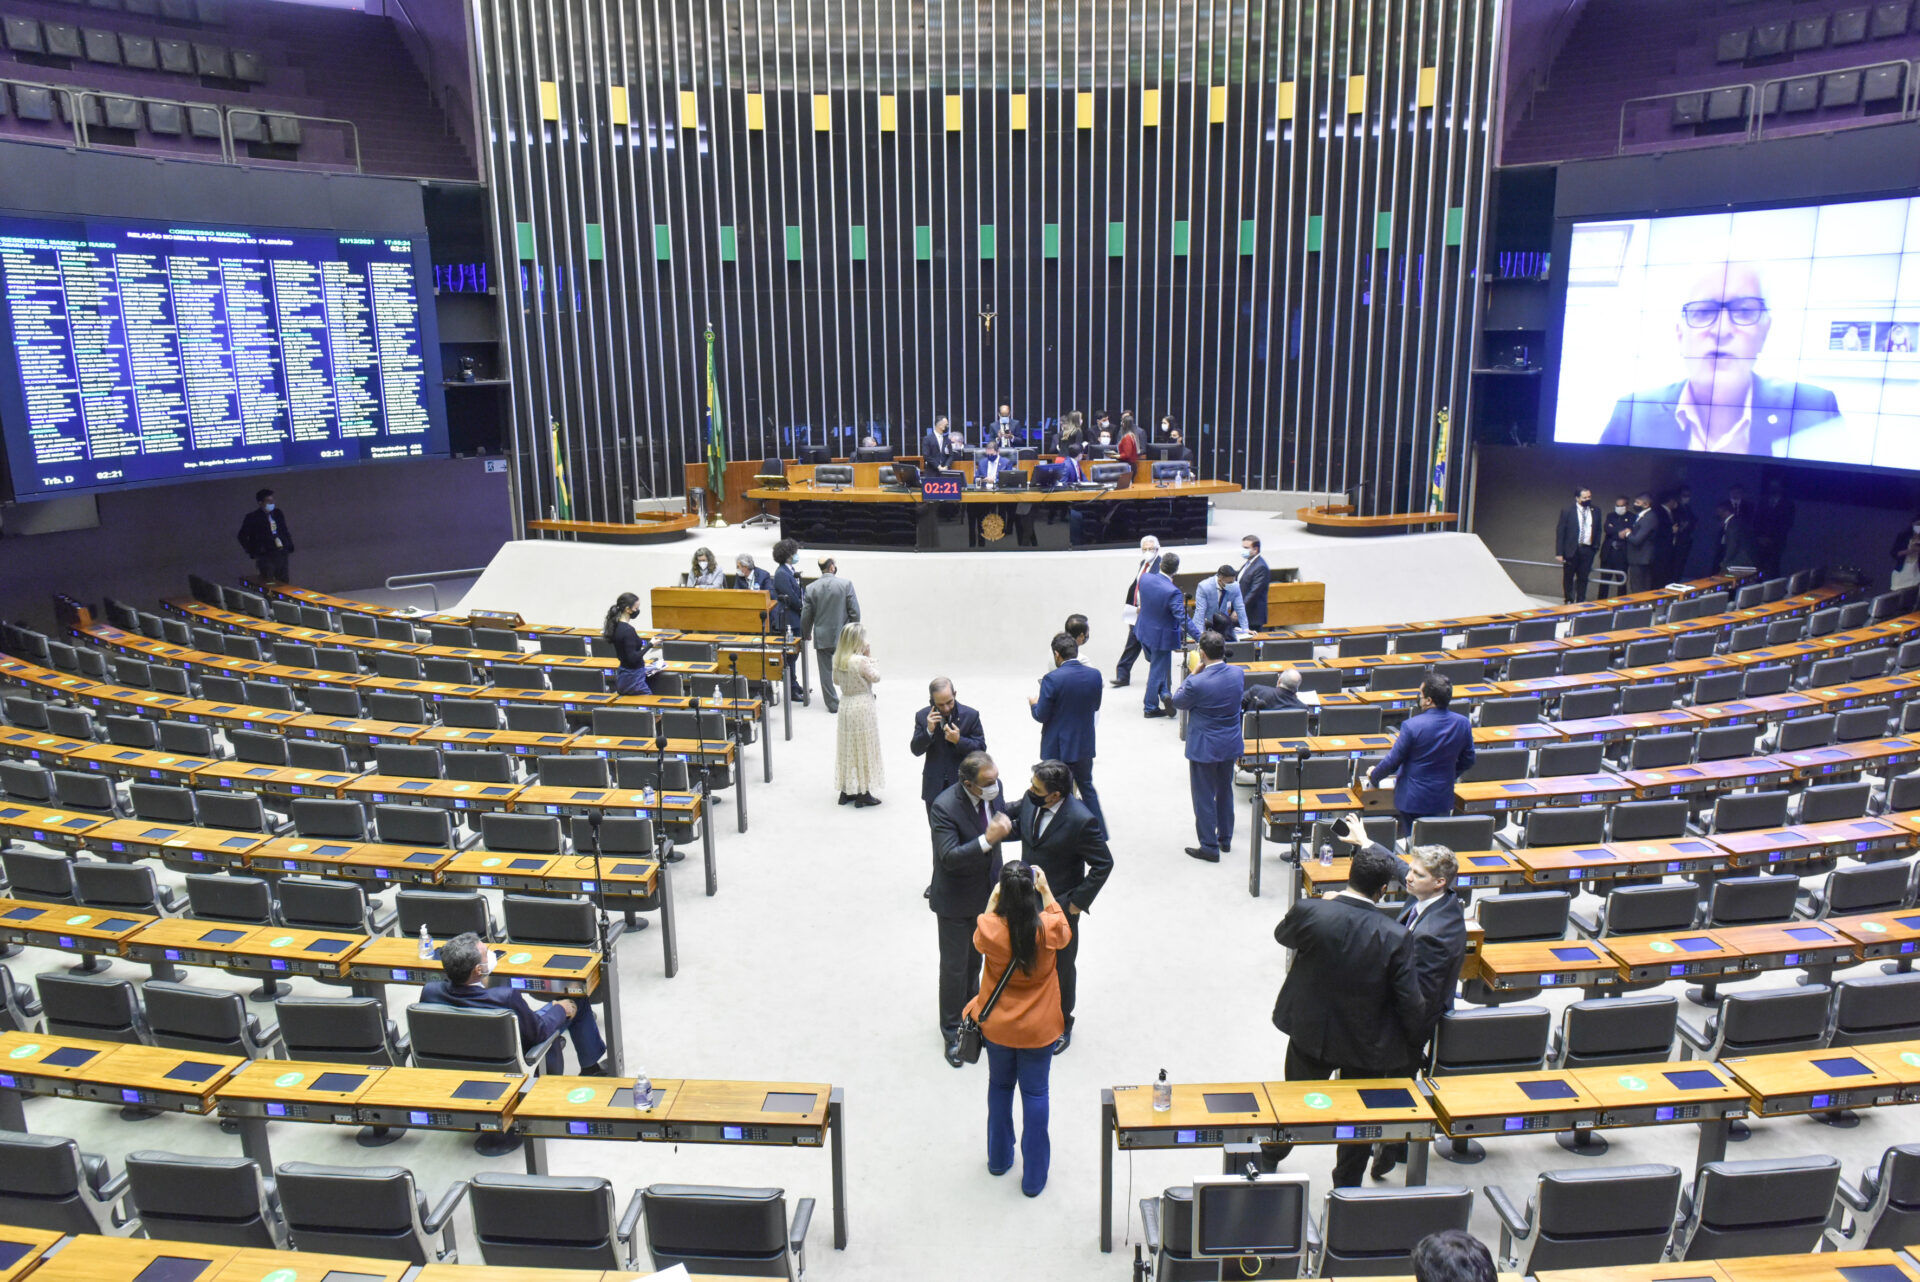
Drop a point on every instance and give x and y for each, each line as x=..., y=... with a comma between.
x=816, y=961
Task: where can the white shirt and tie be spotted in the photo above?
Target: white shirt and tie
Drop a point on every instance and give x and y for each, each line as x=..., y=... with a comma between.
x=1415, y=908
x=1586, y=524
x=1046, y=818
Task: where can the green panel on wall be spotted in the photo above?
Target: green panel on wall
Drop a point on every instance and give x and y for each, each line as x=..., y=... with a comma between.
x=596, y=243
x=857, y=242
x=1182, y=236
x=1456, y=224
x=1116, y=240
x=923, y=242
x=1050, y=240
x=1247, y=236
x=729, y=243
x=1314, y=225
x=662, y=242
x=1383, y=230
x=987, y=240
x=793, y=244
x=523, y=234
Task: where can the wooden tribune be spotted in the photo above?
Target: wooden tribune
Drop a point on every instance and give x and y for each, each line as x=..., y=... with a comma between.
x=1340, y=519
x=737, y=610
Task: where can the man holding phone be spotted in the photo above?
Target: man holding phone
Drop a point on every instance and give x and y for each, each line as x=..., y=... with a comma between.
x=944, y=732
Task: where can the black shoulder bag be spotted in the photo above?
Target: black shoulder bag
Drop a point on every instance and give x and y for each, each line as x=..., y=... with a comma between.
x=970, y=1034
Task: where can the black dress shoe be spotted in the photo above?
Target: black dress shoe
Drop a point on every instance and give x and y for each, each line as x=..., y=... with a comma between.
x=1150, y=713
x=953, y=1053
x=1065, y=1040
x=593, y=1070
x=1383, y=1162
x=1118, y=684
x=1203, y=855
x=866, y=799
x=846, y=799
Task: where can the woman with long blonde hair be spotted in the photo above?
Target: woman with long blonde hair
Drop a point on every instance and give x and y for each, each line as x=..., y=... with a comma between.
x=856, y=766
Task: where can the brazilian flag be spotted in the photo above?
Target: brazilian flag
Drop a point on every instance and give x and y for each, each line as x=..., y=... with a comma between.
x=716, y=433
x=562, y=497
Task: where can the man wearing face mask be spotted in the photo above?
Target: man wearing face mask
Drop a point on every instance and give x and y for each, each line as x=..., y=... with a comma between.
x=265, y=537
x=1906, y=557
x=1211, y=698
x=1149, y=563
x=1613, y=539
x=1644, y=545
x=944, y=732
x=1254, y=578
x=1574, y=543
x=969, y=821
x=1065, y=840
x=1066, y=708
x=467, y=961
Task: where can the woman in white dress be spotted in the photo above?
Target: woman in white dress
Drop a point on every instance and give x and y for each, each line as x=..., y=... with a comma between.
x=856, y=766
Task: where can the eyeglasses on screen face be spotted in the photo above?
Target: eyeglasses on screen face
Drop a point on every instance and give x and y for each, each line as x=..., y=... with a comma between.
x=1744, y=311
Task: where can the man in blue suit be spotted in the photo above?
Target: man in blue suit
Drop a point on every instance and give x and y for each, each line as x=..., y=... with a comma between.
x=1427, y=756
x=1066, y=706
x=1218, y=604
x=1211, y=698
x=748, y=575
x=988, y=465
x=1162, y=623
x=788, y=603
x=467, y=962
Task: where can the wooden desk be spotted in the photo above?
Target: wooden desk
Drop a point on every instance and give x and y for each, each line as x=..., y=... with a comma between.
x=439, y=1099
x=253, y=1265
x=1679, y=1271
x=1827, y=1266
x=446, y=794
x=283, y=950
x=519, y=742
x=1707, y=777
x=1558, y=865
x=1479, y=869
x=39, y=1064
x=22, y=1249
x=634, y=883
x=184, y=849
x=279, y=782
x=237, y=716
x=532, y=968
x=1876, y=935
x=1548, y=964
x=1267, y=752
x=1276, y=813
x=1523, y=736
x=1685, y=954
x=560, y=1107
x=50, y=750
x=1845, y=760
x=1628, y=725
x=355, y=732
x=1816, y=1081
x=61, y=829
x=1658, y=1093
x=1503, y=796
x=737, y=610
x=661, y=527
x=122, y=1259
x=1356, y=1109
x=680, y=813
x=68, y=928
x=138, y=764
x=1900, y=1061
x=1511, y=1103
x=369, y=861
x=1765, y=847
x=188, y=942
x=1785, y=945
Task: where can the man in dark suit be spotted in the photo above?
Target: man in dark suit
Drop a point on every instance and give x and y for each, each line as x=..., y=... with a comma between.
x=1149, y=561
x=788, y=604
x=944, y=732
x=1254, y=578
x=467, y=962
x=1736, y=539
x=264, y=537
x=1211, y=698
x=1162, y=626
x=1644, y=545
x=1065, y=839
x=988, y=466
x=1066, y=709
x=969, y=821
x=1433, y=747
x=1351, y=1004
x=1574, y=543
x=933, y=446
x=750, y=576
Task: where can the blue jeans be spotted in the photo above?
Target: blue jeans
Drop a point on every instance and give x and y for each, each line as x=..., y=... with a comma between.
x=1007, y=1065
x=630, y=681
x=583, y=1030
x=1211, y=783
x=1159, y=676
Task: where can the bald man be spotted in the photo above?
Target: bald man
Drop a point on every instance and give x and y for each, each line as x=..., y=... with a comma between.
x=1722, y=406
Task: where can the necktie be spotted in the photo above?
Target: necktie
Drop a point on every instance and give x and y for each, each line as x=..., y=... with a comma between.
x=985, y=820
x=1413, y=911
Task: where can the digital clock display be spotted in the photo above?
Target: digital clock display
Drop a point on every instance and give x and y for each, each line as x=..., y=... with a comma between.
x=933, y=488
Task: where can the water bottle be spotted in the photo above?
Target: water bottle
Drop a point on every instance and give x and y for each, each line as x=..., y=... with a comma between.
x=1163, y=1094
x=1326, y=854
x=643, y=1090
x=426, y=945
x=646, y=795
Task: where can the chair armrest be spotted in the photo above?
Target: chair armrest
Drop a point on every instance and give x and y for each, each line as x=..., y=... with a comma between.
x=1852, y=1196
x=1698, y=1038
x=536, y=1055
x=802, y=1221
x=471, y=839
x=1588, y=926
x=115, y=1188
x=437, y=1218
x=29, y=1002
x=169, y=901
x=267, y=1035
x=1513, y=1221
x=629, y=1222
x=382, y=923
x=1150, y=1223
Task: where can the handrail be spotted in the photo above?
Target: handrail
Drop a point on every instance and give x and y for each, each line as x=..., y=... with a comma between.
x=1906, y=89
x=429, y=579
x=1756, y=112
x=1705, y=91
x=353, y=130
x=426, y=52
x=79, y=137
x=226, y=141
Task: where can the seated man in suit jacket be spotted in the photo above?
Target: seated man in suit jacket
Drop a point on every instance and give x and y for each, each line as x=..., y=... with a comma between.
x=1428, y=755
x=989, y=464
x=1062, y=836
x=969, y=821
x=1351, y=1003
x=467, y=961
x=1066, y=708
x=748, y=575
x=944, y=732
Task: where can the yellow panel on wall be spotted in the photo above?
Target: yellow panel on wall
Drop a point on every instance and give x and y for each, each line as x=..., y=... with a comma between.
x=1083, y=110
x=1288, y=91
x=1149, y=108
x=689, y=109
x=1017, y=111
x=889, y=113
x=1356, y=94
x=822, y=113
x=1217, y=105
x=617, y=105
x=549, y=100
x=956, y=113
x=756, y=111
x=1429, y=86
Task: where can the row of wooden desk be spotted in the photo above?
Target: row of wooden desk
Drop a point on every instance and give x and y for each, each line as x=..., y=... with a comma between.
x=256, y=1093
x=1418, y=1110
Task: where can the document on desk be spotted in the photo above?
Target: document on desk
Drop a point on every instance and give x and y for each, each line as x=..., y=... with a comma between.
x=678, y=1273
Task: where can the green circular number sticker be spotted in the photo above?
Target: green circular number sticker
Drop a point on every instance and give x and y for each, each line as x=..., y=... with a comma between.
x=1634, y=1083
x=289, y=1079
x=79, y=919
x=282, y=941
x=1662, y=946
x=490, y=863
x=581, y=1095
x=298, y=847
x=1873, y=927
x=23, y=1050
x=519, y=959
x=1317, y=1100
x=280, y=1275
x=1910, y=1058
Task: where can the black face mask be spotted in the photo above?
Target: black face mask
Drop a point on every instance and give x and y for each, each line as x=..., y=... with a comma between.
x=1039, y=798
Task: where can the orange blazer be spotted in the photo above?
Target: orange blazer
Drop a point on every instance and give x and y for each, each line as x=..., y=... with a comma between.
x=1027, y=1015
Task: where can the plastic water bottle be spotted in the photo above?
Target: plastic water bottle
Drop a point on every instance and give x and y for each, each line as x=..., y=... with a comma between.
x=646, y=795
x=426, y=945
x=1163, y=1094
x=1326, y=854
x=643, y=1090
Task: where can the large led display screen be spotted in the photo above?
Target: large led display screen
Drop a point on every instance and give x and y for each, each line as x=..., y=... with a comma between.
x=1776, y=333
x=142, y=352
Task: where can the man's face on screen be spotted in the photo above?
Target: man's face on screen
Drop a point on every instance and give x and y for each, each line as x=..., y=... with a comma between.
x=1720, y=353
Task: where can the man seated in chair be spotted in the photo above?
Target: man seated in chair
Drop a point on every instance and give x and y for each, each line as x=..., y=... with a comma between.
x=467, y=961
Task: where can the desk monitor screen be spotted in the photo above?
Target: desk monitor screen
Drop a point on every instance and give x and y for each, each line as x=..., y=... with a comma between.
x=117, y=923
x=11, y=1253
x=1573, y=954
x=1594, y=852
x=1692, y=847
x=330, y=945
x=1487, y=861
x=69, y=1057
x=622, y=1098
x=526, y=863
x=1230, y=1102
x=330, y=852
x=1548, y=1090
x=1911, y=923
x=1697, y=944
x=221, y=936
x=419, y=857
x=335, y=1275
x=192, y=1071
x=788, y=1102
x=1518, y=787
x=630, y=870
x=1249, y=1217
x=1874, y=1273
x=159, y=832
x=1694, y=1079
x=234, y=843
x=567, y=961
x=1844, y=1066
x=338, y=1082
x=172, y=1268
x=480, y=1090
x=23, y=914
x=1809, y=934
x=1391, y=1097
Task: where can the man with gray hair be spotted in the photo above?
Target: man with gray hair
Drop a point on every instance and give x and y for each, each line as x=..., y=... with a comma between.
x=1149, y=563
x=944, y=732
x=467, y=961
x=747, y=575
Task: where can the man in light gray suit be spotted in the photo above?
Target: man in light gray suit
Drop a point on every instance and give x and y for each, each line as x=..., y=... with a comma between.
x=828, y=606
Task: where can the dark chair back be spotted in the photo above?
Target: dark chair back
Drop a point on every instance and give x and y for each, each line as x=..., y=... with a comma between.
x=1497, y=1039
x=1645, y=910
x=625, y=723
x=414, y=825
x=1723, y=743
x=710, y=1229
x=1649, y=820
x=1895, y=1188
x=1497, y=763
x=536, y=718
x=353, y=1210
x=572, y=772
x=246, y=901
x=407, y=761
x=524, y=834
x=1455, y=832
x=95, y=1006
x=545, y=1221
x=1566, y=826
x=213, y=1021
x=483, y=766
x=323, y=903
x=339, y=1030
x=218, y=1201
x=1826, y=801
x=38, y=877
x=1865, y=888
x=445, y=913
x=470, y=714
x=1526, y=915
x=1605, y=1218
x=1774, y=1206
x=1750, y=901
x=543, y=919
x=47, y=1183
x=327, y=817
x=465, y=1040
x=1374, y=1230
x=1621, y=1030
x=1655, y=751
x=1772, y=1020
x=89, y=792
x=1557, y=759
x=238, y=811
x=1875, y=1008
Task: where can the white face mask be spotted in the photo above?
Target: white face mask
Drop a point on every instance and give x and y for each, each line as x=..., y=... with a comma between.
x=700, y=566
x=1619, y=509
x=1246, y=554
x=990, y=792
x=269, y=507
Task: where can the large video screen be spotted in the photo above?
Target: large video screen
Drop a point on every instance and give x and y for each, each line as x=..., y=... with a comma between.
x=144, y=352
x=1777, y=333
